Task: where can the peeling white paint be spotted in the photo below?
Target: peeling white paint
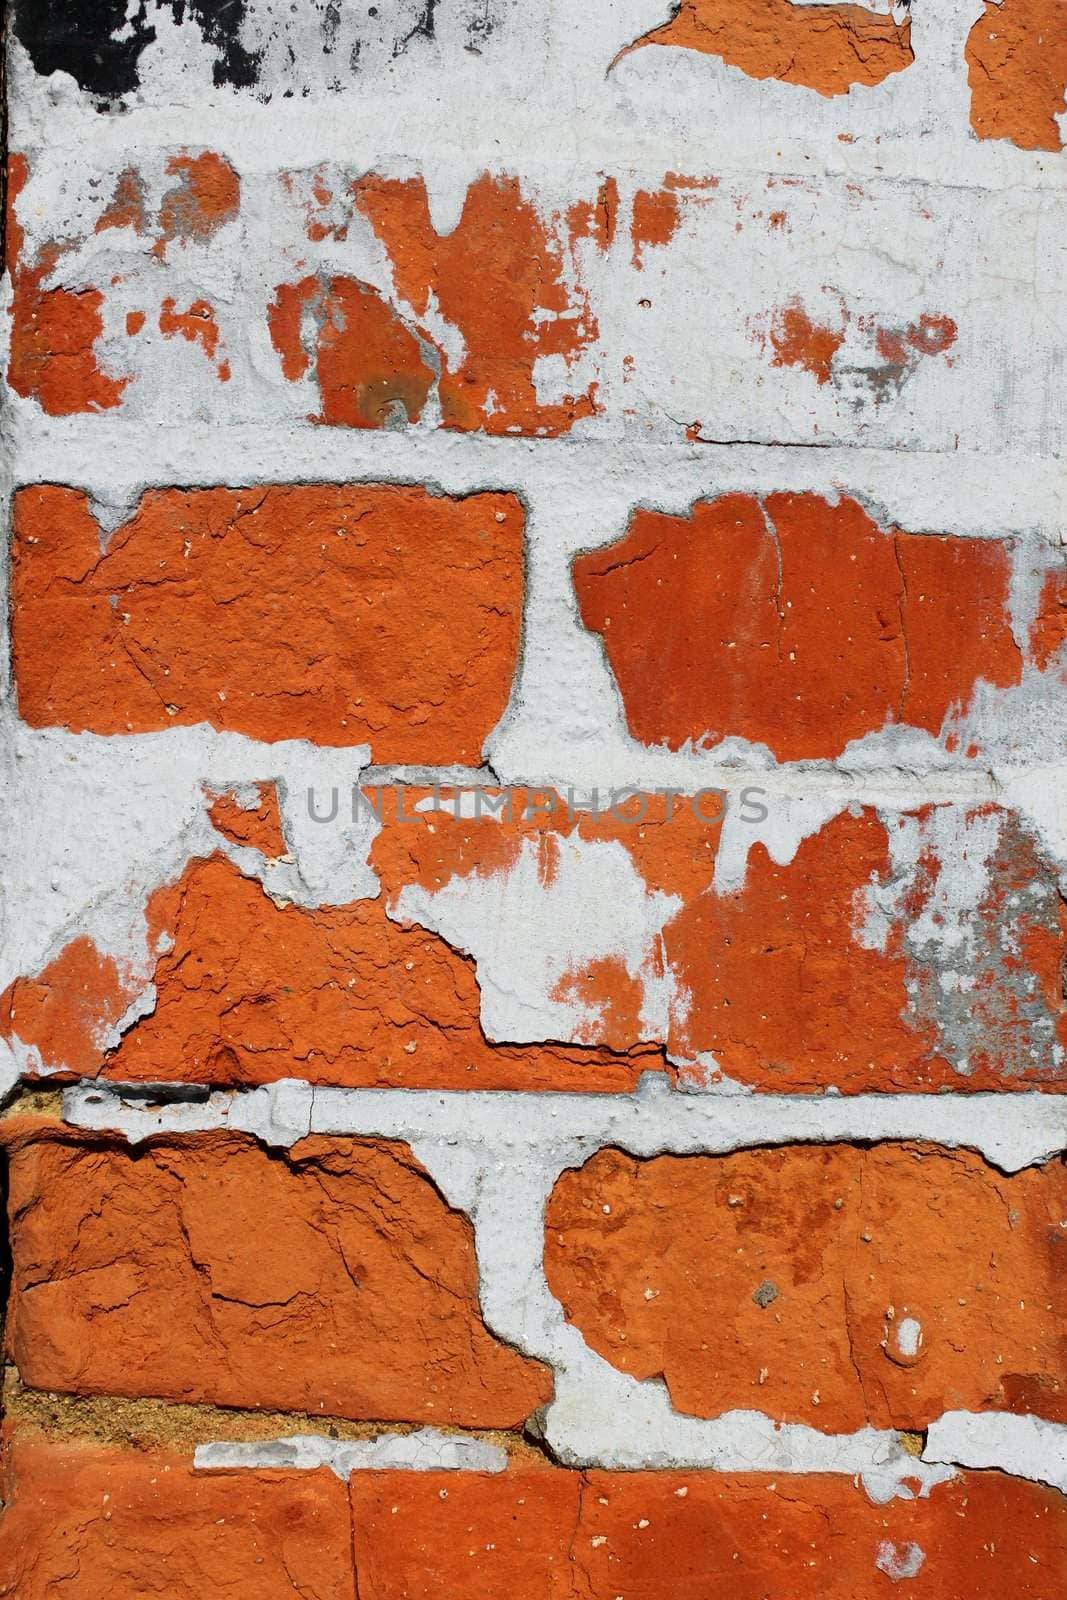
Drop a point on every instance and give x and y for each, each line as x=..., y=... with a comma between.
x=427, y=1450
x=1026, y=1447
x=497, y=1156
x=534, y=926
x=94, y=824
x=909, y=1336
x=687, y=109
x=875, y=190
x=899, y=1561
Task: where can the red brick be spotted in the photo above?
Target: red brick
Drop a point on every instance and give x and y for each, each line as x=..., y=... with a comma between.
x=196, y=325
x=499, y=278
x=367, y=362
x=53, y=331
x=342, y=615
x=334, y=1279
x=98, y=1523
x=249, y=992
x=535, y=1533
x=781, y=985
x=659, y=1535
x=780, y=1280
x=798, y=994
x=428, y=1535
x=258, y=826
x=1049, y=633
x=66, y=1011
x=794, y=623
x=205, y=196
x=828, y=50
x=796, y=998
x=655, y=1536
x=1017, y=70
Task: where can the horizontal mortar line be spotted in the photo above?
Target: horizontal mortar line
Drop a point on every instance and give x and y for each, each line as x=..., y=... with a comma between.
x=303, y=445
x=888, y=788
x=1019, y=1445
x=224, y=1438
x=940, y=785
x=77, y=1414
x=1010, y=1128
x=875, y=786
x=261, y=137
x=990, y=495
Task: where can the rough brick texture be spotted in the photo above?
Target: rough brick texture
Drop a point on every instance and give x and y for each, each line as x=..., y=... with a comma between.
x=95, y=1514
x=105, y=1522
x=334, y=1281
x=835, y=1286
x=533, y=735
x=795, y=624
x=282, y=613
x=855, y=965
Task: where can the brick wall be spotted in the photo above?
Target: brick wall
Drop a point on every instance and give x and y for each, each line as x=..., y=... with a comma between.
x=532, y=1014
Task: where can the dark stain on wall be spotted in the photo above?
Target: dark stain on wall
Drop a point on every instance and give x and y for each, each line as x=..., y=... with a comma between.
x=91, y=40
x=220, y=23
x=94, y=43
x=79, y=38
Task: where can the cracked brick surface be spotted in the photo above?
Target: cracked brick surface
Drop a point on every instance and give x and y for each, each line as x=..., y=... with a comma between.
x=835, y=1286
x=795, y=624
x=98, y=1522
x=829, y=50
x=91, y=1517
x=278, y=612
x=533, y=981
x=334, y=1279
x=913, y=954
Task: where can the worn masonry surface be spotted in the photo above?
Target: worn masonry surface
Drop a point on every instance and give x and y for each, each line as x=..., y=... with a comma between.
x=533, y=893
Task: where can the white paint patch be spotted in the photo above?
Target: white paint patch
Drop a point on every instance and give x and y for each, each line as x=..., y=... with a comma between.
x=531, y=929
x=790, y=819
x=885, y=206
x=886, y=234
x=1011, y=1131
x=94, y=825
x=899, y=1561
x=909, y=1336
x=427, y=1450
x=497, y=1156
x=516, y=88
x=1027, y=1447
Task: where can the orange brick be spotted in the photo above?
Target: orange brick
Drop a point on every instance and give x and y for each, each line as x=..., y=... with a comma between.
x=828, y=50
x=333, y=1280
x=829, y=1285
x=654, y=1536
x=779, y=984
x=794, y=623
x=258, y=826
x=427, y=1535
x=1017, y=70
x=657, y=1535
x=341, y=615
x=499, y=278
x=98, y=1523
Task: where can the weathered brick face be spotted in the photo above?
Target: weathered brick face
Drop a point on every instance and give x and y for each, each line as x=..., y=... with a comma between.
x=155, y=1277
x=535, y=1533
x=830, y=1285
x=278, y=613
x=533, y=728
x=852, y=967
x=796, y=624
